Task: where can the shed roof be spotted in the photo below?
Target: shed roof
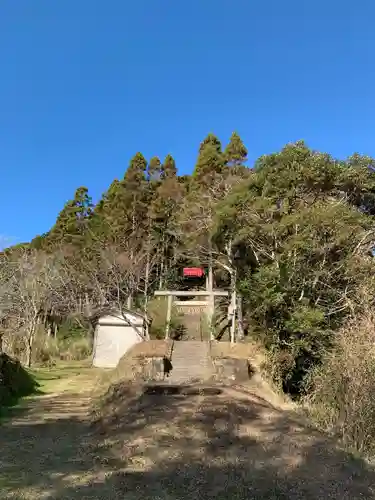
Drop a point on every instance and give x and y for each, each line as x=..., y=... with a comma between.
x=125, y=316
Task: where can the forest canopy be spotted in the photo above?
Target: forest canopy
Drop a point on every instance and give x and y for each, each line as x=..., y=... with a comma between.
x=295, y=229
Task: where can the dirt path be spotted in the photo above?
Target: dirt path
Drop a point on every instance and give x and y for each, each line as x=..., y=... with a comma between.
x=45, y=445
x=220, y=444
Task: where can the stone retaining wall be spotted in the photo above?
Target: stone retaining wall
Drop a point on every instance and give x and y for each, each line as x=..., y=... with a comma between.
x=225, y=370
x=149, y=369
x=232, y=370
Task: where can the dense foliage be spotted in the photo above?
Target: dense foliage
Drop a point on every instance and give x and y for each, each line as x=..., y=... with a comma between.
x=293, y=236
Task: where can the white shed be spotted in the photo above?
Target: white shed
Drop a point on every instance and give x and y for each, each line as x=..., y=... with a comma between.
x=115, y=334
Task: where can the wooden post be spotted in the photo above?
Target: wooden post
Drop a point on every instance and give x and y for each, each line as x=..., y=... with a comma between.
x=211, y=300
x=169, y=315
x=233, y=322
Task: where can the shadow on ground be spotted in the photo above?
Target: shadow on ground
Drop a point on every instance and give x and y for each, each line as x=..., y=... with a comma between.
x=150, y=445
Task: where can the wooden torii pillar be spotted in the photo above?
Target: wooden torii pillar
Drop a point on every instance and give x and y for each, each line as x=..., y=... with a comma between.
x=210, y=293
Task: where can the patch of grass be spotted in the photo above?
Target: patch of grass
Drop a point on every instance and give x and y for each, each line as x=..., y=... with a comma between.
x=72, y=376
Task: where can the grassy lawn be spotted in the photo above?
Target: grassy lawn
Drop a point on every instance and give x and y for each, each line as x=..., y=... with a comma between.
x=51, y=379
x=69, y=376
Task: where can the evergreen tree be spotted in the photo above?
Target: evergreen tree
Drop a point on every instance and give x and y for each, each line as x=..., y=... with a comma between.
x=132, y=199
x=72, y=222
x=169, y=169
x=211, y=140
x=235, y=153
x=210, y=161
x=135, y=175
x=154, y=171
x=163, y=213
x=103, y=220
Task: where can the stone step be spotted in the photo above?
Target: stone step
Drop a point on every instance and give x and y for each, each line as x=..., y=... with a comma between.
x=190, y=361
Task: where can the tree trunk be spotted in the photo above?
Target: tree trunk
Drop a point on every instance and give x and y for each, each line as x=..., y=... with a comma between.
x=233, y=292
x=147, y=272
x=129, y=301
x=147, y=275
x=161, y=273
x=240, y=318
x=30, y=343
x=145, y=308
x=233, y=310
x=162, y=263
x=88, y=309
x=211, y=297
x=133, y=226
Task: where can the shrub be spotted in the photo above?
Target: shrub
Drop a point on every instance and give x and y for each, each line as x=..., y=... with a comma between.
x=73, y=329
x=75, y=349
x=50, y=349
x=15, y=381
x=341, y=391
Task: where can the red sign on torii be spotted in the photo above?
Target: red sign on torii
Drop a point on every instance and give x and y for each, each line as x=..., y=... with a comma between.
x=193, y=272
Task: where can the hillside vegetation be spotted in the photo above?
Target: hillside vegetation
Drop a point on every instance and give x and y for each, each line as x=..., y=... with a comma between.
x=293, y=235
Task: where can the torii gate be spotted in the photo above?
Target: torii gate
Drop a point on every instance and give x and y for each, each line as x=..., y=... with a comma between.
x=209, y=294
x=172, y=294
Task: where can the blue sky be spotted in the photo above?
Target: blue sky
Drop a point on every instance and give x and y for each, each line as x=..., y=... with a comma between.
x=87, y=83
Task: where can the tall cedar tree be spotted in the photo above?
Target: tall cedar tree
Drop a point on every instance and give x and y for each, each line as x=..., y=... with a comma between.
x=169, y=169
x=154, y=170
x=130, y=201
x=72, y=222
x=235, y=153
x=102, y=221
x=205, y=189
x=163, y=212
x=210, y=161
